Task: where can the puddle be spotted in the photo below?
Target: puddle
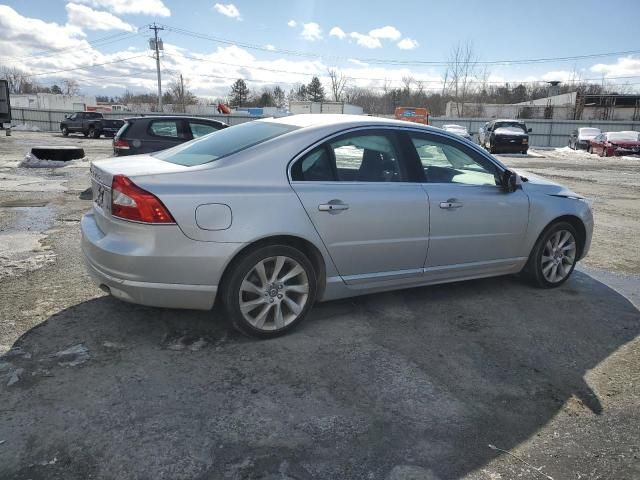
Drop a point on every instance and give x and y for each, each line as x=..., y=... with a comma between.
x=28, y=216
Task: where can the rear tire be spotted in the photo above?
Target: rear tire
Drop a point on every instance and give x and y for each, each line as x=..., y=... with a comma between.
x=554, y=256
x=93, y=133
x=269, y=291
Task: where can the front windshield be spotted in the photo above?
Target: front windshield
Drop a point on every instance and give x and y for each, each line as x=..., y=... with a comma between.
x=628, y=136
x=511, y=126
x=223, y=142
x=589, y=132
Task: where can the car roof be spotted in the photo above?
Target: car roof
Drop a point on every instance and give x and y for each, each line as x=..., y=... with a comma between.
x=172, y=117
x=514, y=120
x=307, y=120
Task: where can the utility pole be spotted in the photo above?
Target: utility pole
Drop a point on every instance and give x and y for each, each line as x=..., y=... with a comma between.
x=156, y=44
x=184, y=108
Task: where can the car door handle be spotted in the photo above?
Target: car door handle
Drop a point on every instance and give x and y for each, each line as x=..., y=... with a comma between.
x=449, y=204
x=332, y=207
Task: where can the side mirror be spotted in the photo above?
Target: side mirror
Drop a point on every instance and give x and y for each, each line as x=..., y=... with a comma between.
x=66, y=116
x=530, y=130
x=511, y=181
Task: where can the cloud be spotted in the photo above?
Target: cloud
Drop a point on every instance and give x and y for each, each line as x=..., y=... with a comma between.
x=624, y=66
x=385, y=33
x=311, y=31
x=142, y=7
x=85, y=17
x=337, y=32
x=355, y=61
x=270, y=47
x=229, y=10
x=365, y=40
x=292, y=23
x=407, y=44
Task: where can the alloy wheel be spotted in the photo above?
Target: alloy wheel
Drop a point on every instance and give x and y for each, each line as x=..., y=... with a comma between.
x=558, y=256
x=274, y=293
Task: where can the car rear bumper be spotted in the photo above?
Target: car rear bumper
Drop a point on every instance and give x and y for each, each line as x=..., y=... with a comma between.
x=154, y=265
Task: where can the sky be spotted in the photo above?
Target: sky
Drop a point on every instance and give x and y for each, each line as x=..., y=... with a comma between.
x=104, y=43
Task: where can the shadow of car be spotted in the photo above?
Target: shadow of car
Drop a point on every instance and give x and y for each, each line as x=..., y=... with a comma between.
x=426, y=377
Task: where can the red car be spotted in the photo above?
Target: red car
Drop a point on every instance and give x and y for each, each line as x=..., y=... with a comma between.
x=616, y=143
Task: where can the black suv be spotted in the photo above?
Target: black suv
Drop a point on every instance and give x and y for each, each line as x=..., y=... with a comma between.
x=506, y=136
x=154, y=133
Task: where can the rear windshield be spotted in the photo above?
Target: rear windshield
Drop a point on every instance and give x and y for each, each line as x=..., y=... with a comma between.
x=223, y=142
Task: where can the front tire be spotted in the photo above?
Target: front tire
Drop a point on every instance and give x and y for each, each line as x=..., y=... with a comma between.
x=269, y=291
x=65, y=131
x=554, y=256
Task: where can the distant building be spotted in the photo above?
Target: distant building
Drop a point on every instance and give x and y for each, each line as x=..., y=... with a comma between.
x=297, y=107
x=567, y=106
x=52, y=101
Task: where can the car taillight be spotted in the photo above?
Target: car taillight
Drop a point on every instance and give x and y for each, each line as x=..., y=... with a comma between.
x=120, y=144
x=130, y=202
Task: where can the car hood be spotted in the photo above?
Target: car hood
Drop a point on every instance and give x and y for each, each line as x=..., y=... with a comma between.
x=625, y=143
x=536, y=183
x=586, y=137
x=510, y=131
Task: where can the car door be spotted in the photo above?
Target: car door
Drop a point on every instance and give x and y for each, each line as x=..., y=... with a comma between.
x=597, y=144
x=358, y=191
x=573, y=139
x=163, y=133
x=75, y=122
x=475, y=225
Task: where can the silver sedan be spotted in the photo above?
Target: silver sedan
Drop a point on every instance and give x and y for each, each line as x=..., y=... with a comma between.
x=271, y=216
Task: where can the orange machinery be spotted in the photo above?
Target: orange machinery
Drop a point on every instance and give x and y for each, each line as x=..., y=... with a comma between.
x=412, y=114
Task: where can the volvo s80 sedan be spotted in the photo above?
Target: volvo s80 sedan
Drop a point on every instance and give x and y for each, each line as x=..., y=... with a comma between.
x=270, y=216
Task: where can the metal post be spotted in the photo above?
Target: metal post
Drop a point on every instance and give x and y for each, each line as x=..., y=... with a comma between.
x=155, y=29
x=184, y=108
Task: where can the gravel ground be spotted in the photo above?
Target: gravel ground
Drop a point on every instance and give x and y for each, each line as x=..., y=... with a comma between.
x=427, y=383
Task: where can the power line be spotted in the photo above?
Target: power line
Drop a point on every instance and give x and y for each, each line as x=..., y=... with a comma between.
x=379, y=61
x=88, y=66
x=99, y=42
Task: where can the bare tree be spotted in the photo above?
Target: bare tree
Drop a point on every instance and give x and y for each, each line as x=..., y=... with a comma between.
x=70, y=87
x=338, y=83
x=180, y=95
x=18, y=80
x=462, y=67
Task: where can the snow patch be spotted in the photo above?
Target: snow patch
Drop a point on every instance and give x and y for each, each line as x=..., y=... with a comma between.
x=22, y=252
x=23, y=127
x=31, y=161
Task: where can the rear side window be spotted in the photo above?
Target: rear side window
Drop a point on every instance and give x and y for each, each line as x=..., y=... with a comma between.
x=226, y=142
x=165, y=128
x=201, y=129
x=356, y=157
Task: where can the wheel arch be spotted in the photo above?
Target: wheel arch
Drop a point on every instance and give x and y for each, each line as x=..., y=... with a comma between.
x=305, y=246
x=576, y=222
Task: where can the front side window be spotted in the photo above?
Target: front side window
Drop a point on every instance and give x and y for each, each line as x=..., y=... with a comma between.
x=443, y=162
x=356, y=157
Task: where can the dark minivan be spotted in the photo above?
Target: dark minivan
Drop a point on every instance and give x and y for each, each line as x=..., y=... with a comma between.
x=154, y=133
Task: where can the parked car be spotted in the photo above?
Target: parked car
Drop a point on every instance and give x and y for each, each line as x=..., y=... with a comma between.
x=151, y=134
x=270, y=216
x=580, y=138
x=506, y=136
x=458, y=130
x=90, y=124
x=609, y=144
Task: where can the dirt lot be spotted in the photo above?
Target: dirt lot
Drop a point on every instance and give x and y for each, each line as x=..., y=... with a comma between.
x=428, y=383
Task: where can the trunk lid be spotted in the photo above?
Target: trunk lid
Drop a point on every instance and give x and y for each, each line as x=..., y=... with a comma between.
x=103, y=171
